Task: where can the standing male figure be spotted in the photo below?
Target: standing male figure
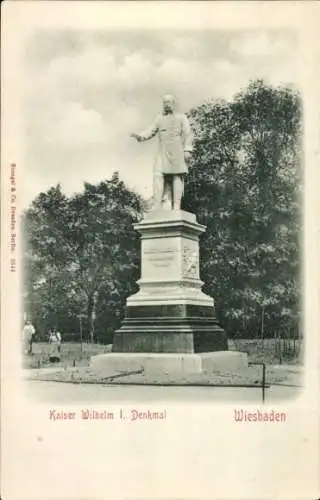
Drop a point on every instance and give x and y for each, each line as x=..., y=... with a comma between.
x=174, y=152
x=27, y=335
x=58, y=335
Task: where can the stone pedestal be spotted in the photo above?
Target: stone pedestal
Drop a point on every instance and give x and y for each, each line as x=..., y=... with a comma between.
x=157, y=366
x=153, y=364
x=170, y=313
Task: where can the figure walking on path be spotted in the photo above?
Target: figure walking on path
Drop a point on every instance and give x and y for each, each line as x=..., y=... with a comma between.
x=55, y=344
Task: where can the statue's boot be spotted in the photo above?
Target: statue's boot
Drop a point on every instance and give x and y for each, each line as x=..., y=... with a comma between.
x=158, y=188
x=166, y=204
x=167, y=194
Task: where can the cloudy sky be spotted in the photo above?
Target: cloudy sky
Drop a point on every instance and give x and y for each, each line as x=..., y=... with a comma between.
x=85, y=92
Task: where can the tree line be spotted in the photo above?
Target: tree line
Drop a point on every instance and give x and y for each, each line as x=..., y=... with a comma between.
x=82, y=256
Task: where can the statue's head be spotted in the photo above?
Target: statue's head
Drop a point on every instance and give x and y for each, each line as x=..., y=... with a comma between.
x=168, y=104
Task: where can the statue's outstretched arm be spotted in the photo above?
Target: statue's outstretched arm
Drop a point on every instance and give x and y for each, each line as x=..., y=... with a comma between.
x=148, y=133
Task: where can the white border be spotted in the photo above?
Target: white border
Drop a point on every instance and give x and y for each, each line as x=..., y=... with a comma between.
x=200, y=452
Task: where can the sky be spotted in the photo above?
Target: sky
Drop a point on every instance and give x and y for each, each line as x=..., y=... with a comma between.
x=86, y=91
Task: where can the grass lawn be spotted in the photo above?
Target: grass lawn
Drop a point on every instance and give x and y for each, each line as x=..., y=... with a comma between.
x=250, y=376
x=75, y=354
x=75, y=359
x=270, y=351
x=71, y=353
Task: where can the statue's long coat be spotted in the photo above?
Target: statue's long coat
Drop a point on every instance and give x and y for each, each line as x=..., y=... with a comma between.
x=174, y=139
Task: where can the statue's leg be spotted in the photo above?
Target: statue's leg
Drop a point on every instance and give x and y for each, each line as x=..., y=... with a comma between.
x=178, y=185
x=158, y=188
x=167, y=193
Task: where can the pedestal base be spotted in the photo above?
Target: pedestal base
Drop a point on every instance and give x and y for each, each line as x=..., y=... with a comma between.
x=231, y=361
x=183, y=328
x=152, y=364
x=156, y=365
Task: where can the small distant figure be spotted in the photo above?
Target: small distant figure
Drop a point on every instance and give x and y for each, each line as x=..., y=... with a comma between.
x=58, y=335
x=27, y=336
x=55, y=346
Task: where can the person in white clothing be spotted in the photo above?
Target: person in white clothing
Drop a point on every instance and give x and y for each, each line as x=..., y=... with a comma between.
x=55, y=345
x=27, y=336
x=58, y=335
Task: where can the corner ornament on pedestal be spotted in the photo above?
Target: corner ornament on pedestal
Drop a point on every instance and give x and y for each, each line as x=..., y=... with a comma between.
x=190, y=261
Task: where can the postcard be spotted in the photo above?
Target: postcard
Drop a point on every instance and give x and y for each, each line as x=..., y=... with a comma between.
x=159, y=256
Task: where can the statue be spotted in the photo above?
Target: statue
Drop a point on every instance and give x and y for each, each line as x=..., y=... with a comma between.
x=174, y=152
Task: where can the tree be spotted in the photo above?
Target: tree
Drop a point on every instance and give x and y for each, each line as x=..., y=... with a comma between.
x=244, y=184
x=81, y=250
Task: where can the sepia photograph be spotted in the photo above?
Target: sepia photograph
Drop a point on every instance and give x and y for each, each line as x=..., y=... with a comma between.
x=172, y=265
x=159, y=257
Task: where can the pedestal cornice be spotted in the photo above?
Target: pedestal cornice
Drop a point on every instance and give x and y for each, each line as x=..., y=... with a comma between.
x=173, y=223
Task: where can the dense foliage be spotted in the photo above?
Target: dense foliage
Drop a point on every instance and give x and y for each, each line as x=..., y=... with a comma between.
x=245, y=186
x=82, y=255
x=81, y=258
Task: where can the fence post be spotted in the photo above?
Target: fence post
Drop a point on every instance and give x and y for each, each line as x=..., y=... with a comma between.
x=263, y=381
x=280, y=350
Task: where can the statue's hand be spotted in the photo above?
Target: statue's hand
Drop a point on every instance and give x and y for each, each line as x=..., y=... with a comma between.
x=187, y=156
x=136, y=136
